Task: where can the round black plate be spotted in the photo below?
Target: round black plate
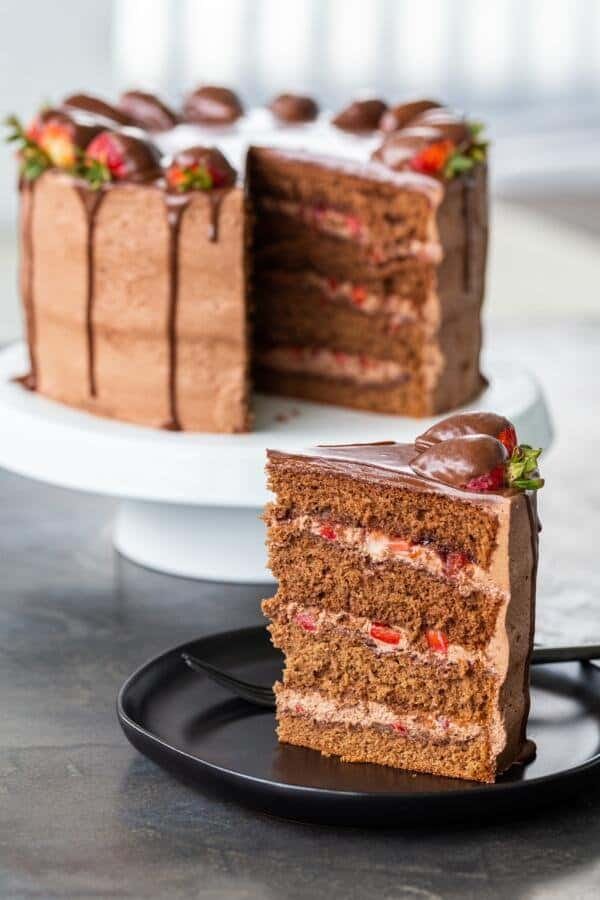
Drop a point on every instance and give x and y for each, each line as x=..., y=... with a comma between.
x=193, y=728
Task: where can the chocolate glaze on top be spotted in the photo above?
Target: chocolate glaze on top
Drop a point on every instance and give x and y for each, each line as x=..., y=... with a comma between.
x=361, y=115
x=462, y=424
x=96, y=107
x=140, y=157
x=458, y=460
x=294, y=108
x=451, y=125
x=81, y=132
x=147, y=111
x=391, y=463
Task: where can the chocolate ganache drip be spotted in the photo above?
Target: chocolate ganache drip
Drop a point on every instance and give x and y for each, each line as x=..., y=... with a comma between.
x=360, y=116
x=211, y=105
x=294, y=108
x=196, y=169
x=147, y=111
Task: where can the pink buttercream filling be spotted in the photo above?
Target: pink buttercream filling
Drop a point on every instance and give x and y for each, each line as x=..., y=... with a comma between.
x=370, y=714
x=347, y=226
x=380, y=547
x=382, y=638
x=398, y=309
x=361, y=370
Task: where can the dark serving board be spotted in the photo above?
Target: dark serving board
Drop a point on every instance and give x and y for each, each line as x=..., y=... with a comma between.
x=194, y=729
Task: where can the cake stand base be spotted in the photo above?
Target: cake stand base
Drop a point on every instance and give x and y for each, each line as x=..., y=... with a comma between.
x=190, y=504
x=209, y=543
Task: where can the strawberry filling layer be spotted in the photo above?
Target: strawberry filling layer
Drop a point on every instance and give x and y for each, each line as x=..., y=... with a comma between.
x=361, y=370
x=369, y=714
x=379, y=547
x=349, y=227
x=357, y=296
x=430, y=646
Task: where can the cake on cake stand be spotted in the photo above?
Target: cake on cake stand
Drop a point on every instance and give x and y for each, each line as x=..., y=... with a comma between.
x=190, y=504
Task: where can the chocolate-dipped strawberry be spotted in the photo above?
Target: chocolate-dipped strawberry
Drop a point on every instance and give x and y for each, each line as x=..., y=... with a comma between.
x=200, y=169
x=211, y=105
x=116, y=156
x=97, y=108
x=360, y=116
x=402, y=147
x=147, y=111
x=399, y=116
x=462, y=424
x=449, y=124
x=294, y=108
x=479, y=463
x=52, y=139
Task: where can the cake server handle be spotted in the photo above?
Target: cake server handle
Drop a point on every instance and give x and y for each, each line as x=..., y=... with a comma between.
x=262, y=695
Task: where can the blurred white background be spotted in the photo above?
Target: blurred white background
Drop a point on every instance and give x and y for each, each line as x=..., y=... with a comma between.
x=530, y=68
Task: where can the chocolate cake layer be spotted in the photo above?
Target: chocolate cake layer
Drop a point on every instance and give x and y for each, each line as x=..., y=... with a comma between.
x=312, y=570
x=384, y=206
x=471, y=759
x=341, y=667
x=371, y=496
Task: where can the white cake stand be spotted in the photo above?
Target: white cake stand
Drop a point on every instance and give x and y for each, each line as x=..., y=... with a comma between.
x=190, y=503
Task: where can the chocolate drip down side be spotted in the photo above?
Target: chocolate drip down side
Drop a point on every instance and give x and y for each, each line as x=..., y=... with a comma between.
x=91, y=201
x=468, y=191
x=535, y=528
x=176, y=205
x=28, y=193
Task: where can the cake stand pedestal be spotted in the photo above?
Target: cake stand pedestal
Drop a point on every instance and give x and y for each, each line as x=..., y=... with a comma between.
x=190, y=504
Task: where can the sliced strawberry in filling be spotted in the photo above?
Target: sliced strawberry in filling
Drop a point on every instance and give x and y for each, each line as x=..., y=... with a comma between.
x=437, y=641
x=381, y=632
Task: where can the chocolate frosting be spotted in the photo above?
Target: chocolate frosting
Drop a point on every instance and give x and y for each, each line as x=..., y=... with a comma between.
x=211, y=105
x=294, y=108
x=458, y=460
x=361, y=115
x=397, y=117
x=449, y=124
x=224, y=175
x=147, y=111
x=140, y=159
x=463, y=424
x=96, y=107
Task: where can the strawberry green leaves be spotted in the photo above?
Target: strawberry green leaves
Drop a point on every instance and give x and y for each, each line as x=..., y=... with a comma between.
x=522, y=469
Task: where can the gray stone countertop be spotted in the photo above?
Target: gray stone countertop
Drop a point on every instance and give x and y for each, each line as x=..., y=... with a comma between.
x=83, y=815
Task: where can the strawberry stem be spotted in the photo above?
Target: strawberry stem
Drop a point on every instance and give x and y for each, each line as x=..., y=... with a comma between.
x=33, y=159
x=522, y=468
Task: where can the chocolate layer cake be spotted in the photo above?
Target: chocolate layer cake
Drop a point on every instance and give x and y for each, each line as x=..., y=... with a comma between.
x=405, y=606
x=367, y=235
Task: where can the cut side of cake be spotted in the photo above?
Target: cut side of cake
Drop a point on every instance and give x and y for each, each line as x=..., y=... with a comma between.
x=405, y=606
x=367, y=283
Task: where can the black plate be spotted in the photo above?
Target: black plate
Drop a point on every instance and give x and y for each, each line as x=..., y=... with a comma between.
x=193, y=728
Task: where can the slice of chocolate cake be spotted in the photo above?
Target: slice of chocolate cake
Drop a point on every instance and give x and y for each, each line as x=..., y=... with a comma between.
x=405, y=606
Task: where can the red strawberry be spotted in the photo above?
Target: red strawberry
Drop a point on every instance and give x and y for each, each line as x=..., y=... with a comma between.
x=455, y=561
x=400, y=728
x=116, y=155
x=381, y=632
x=359, y=294
x=354, y=225
x=306, y=622
x=491, y=481
x=332, y=284
x=200, y=169
x=328, y=532
x=432, y=159
x=437, y=640
x=508, y=437
x=299, y=709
